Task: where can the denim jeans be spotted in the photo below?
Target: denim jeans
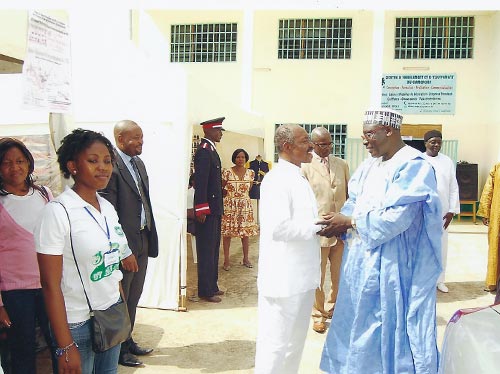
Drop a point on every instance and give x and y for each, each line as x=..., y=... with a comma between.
x=25, y=308
x=93, y=363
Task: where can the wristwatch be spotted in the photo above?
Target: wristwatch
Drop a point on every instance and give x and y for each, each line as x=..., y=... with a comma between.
x=353, y=223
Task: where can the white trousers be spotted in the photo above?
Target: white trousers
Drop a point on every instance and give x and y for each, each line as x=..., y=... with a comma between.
x=282, y=328
x=444, y=254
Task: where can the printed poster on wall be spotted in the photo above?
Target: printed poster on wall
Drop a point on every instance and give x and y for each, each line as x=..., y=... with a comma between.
x=47, y=66
x=419, y=93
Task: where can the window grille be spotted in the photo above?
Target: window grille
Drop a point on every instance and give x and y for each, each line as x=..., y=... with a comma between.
x=203, y=43
x=328, y=38
x=434, y=38
x=338, y=131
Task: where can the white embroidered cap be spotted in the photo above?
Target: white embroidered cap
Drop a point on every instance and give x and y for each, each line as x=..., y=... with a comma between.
x=383, y=116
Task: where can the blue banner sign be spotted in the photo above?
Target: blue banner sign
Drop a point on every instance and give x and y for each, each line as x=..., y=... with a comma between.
x=419, y=93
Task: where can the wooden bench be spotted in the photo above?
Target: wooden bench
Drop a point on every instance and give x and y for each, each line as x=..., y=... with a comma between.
x=468, y=214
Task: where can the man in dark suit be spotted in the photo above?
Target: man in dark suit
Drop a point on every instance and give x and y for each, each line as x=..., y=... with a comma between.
x=260, y=169
x=128, y=191
x=208, y=207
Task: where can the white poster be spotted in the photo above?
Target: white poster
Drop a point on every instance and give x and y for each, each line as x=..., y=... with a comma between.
x=47, y=67
x=419, y=93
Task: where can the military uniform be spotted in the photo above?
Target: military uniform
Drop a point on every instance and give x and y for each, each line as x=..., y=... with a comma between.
x=208, y=201
x=257, y=166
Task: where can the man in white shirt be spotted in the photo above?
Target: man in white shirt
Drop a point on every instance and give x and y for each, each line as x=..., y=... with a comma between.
x=447, y=187
x=289, y=257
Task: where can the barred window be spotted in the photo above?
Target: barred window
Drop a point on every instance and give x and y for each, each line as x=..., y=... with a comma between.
x=328, y=38
x=434, y=38
x=338, y=131
x=203, y=43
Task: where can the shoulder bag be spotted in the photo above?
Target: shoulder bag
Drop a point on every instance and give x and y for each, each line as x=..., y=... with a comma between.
x=110, y=327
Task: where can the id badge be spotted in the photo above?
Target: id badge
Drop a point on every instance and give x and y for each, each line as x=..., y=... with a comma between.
x=111, y=258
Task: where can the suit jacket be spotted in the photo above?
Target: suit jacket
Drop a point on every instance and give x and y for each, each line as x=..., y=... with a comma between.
x=122, y=192
x=330, y=189
x=208, y=180
x=257, y=166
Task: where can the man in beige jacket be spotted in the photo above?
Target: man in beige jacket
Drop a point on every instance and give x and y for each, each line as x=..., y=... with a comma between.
x=328, y=176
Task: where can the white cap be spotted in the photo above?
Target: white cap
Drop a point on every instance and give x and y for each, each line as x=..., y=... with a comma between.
x=383, y=116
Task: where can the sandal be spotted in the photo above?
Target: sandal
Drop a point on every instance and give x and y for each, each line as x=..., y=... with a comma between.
x=248, y=264
x=226, y=267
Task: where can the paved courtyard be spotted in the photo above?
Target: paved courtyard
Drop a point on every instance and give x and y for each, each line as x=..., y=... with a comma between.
x=220, y=338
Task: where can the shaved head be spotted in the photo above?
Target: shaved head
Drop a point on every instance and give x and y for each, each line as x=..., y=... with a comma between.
x=128, y=137
x=124, y=126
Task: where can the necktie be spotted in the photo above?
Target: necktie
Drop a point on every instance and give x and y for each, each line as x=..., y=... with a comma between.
x=140, y=187
x=324, y=161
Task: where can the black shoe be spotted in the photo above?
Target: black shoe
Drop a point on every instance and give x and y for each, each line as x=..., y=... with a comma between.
x=139, y=351
x=211, y=299
x=128, y=359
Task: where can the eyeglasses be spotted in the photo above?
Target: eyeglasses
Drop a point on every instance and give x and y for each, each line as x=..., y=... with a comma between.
x=369, y=135
x=324, y=145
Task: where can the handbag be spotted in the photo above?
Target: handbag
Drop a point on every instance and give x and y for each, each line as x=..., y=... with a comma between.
x=110, y=327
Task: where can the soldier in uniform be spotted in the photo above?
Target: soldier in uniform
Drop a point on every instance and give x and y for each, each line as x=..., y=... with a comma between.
x=208, y=207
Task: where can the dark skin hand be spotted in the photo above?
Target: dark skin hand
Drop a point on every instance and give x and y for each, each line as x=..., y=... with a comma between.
x=335, y=224
x=50, y=276
x=447, y=219
x=130, y=264
x=4, y=318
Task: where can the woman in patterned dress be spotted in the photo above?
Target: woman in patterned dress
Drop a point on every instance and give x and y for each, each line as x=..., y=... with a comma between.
x=238, y=220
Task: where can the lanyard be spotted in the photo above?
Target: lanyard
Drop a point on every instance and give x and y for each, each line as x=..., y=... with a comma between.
x=107, y=228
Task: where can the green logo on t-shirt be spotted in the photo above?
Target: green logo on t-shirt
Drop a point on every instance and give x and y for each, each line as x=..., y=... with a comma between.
x=102, y=271
x=119, y=231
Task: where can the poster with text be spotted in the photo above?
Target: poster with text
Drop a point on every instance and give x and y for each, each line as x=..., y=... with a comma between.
x=419, y=93
x=47, y=67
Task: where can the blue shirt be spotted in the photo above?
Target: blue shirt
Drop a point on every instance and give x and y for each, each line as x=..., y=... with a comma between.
x=127, y=160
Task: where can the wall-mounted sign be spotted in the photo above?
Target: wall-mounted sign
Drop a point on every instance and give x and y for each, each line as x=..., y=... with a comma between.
x=47, y=67
x=419, y=93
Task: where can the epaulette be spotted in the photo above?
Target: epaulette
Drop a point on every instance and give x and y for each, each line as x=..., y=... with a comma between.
x=207, y=146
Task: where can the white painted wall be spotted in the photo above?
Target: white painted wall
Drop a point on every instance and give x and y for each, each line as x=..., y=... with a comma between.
x=231, y=141
x=321, y=91
x=477, y=79
x=13, y=33
x=214, y=89
x=338, y=91
x=492, y=141
x=14, y=28
x=310, y=91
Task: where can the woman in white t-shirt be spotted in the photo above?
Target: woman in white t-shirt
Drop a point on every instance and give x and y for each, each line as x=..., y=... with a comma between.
x=99, y=245
x=21, y=300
